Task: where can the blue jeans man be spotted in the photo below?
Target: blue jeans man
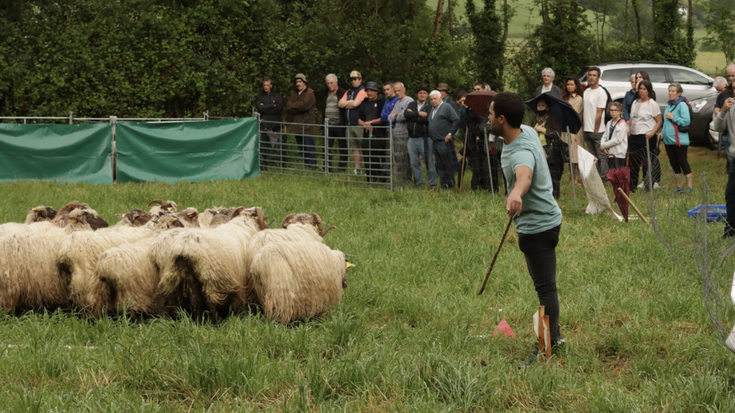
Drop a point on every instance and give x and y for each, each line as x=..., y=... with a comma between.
x=421, y=148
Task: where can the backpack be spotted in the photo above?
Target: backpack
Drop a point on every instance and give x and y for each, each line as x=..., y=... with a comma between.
x=608, y=117
x=691, y=116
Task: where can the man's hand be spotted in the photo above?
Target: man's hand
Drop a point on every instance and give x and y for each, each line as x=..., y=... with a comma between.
x=448, y=138
x=514, y=204
x=728, y=104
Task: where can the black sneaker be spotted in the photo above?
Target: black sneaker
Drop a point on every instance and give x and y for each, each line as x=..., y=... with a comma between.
x=533, y=357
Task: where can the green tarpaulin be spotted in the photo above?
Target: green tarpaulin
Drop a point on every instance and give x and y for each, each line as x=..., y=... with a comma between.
x=187, y=151
x=64, y=153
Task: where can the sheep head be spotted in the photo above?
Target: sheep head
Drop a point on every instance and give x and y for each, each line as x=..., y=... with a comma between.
x=85, y=219
x=134, y=218
x=254, y=213
x=163, y=206
x=189, y=217
x=62, y=216
x=307, y=219
x=40, y=213
x=166, y=220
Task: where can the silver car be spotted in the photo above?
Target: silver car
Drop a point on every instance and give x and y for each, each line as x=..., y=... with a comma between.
x=615, y=77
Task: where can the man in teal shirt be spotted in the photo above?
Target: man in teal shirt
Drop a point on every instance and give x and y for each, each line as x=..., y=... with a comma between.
x=530, y=201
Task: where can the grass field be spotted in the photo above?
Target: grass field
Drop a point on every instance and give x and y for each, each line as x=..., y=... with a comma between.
x=411, y=333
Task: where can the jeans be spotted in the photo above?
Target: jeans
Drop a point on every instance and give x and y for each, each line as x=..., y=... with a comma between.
x=418, y=148
x=402, y=171
x=336, y=134
x=444, y=152
x=307, y=149
x=540, y=252
x=593, y=145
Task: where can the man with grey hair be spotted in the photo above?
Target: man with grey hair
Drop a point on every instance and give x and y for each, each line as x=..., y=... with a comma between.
x=335, y=118
x=400, y=132
x=443, y=124
x=548, y=75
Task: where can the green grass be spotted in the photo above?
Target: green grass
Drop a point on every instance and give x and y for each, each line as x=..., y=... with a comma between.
x=411, y=334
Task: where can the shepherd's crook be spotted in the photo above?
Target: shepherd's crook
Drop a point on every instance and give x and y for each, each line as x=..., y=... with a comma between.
x=492, y=264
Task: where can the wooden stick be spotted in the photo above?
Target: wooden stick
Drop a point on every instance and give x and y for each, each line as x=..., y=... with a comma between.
x=495, y=257
x=541, y=335
x=464, y=157
x=645, y=221
x=547, y=337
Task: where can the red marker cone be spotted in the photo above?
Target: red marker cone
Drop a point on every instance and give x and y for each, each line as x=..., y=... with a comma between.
x=504, y=328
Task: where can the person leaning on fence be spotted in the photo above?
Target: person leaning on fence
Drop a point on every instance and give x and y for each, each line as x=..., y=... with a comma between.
x=725, y=121
x=270, y=105
x=375, y=141
x=351, y=102
x=398, y=119
x=443, y=124
x=530, y=204
x=300, y=110
x=676, y=136
x=614, y=140
x=419, y=144
x=336, y=120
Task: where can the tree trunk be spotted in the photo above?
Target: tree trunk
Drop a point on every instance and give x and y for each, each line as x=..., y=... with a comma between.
x=501, y=67
x=653, y=22
x=450, y=14
x=690, y=27
x=634, y=3
x=438, y=18
x=545, y=11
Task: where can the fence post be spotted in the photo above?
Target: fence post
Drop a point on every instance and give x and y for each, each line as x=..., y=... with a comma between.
x=390, y=155
x=206, y=115
x=71, y=118
x=113, y=154
x=326, y=146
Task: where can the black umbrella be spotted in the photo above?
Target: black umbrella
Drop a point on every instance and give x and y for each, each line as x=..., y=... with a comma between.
x=561, y=109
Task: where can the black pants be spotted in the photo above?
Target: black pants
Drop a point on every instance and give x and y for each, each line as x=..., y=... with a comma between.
x=638, y=157
x=478, y=160
x=337, y=134
x=540, y=252
x=678, y=158
x=375, y=151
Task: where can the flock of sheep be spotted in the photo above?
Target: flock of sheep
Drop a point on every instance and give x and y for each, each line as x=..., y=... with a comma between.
x=165, y=262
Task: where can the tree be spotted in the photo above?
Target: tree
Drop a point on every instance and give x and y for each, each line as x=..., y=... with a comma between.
x=669, y=42
x=719, y=16
x=486, y=54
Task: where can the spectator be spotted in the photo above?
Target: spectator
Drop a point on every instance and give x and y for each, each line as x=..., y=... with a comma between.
x=350, y=102
x=548, y=128
x=270, y=106
x=336, y=120
x=573, y=92
x=725, y=121
x=676, y=142
x=443, y=88
x=300, y=109
x=547, y=76
x=595, y=101
x=419, y=144
x=720, y=84
x=629, y=97
x=474, y=145
x=481, y=86
x=376, y=139
x=443, y=124
x=645, y=121
x=614, y=140
x=536, y=214
x=400, y=132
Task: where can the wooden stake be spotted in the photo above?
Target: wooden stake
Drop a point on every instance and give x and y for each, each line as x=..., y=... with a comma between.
x=547, y=337
x=645, y=221
x=541, y=334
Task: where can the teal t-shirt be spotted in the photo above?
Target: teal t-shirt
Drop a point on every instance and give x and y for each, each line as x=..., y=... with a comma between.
x=540, y=212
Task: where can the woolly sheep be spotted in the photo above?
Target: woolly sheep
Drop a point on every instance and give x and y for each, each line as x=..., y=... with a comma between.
x=162, y=206
x=205, y=218
x=296, y=280
x=79, y=253
x=30, y=279
x=210, y=261
x=35, y=215
x=59, y=220
x=125, y=277
x=134, y=218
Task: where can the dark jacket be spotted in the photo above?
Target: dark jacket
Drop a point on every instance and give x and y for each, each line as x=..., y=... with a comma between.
x=270, y=106
x=323, y=104
x=300, y=109
x=444, y=122
x=417, y=129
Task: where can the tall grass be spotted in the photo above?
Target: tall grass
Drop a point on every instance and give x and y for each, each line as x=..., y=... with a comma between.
x=410, y=334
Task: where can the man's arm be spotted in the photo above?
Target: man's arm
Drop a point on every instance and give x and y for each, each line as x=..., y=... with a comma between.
x=353, y=103
x=514, y=203
x=598, y=119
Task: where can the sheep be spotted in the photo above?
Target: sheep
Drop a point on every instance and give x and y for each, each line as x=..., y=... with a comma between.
x=126, y=276
x=189, y=217
x=296, y=280
x=134, y=218
x=209, y=261
x=162, y=206
x=79, y=253
x=30, y=279
x=35, y=215
x=205, y=218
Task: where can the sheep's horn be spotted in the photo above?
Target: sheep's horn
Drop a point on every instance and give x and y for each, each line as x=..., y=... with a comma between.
x=155, y=201
x=331, y=227
x=28, y=209
x=268, y=225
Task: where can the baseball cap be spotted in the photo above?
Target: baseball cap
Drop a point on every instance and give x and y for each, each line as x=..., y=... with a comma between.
x=355, y=74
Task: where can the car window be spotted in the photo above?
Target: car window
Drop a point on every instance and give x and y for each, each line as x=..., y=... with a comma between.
x=657, y=74
x=685, y=77
x=616, y=75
